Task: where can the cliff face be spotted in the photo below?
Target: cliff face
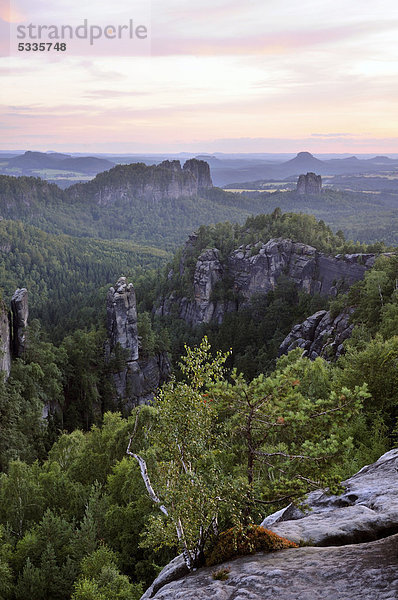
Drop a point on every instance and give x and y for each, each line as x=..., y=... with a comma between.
x=5, y=340
x=200, y=171
x=255, y=269
x=139, y=377
x=20, y=312
x=141, y=182
x=309, y=184
x=121, y=318
x=320, y=335
x=13, y=329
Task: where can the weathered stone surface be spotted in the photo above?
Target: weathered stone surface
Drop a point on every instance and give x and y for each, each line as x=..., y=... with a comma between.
x=153, y=183
x=121, y=317
x=255, y=269
x=201, y=171
x=366, y=510
x=20, y=312
x=309, y=184
x=171, y=572
x=5, y=340
x=320, y=335
x=366, y=571
x=140, y=376
x=356, y=554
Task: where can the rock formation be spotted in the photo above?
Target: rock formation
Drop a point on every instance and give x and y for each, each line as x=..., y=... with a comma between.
x=366, y=510
x=201, y=171
x=20, y=312
x=255, y=269
x=139, y=377
x=5, y=340
x=141, y=182
x=13, y=330
x=365, y=571
x=320, y=335
x=121, y=318
x=309, y=185
x=354, y=553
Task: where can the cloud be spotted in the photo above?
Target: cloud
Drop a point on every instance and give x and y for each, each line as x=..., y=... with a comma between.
x=108, y=94
x=331, y=135
x=265, y=43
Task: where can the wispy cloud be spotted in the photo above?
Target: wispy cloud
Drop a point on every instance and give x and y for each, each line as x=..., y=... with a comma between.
x=280, y=42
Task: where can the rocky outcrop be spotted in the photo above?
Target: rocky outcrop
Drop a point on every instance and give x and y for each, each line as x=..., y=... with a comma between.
x=309, y=185
x=138, y=181
x=13, y=330
x=365, y=511
x=355, y=553
x=320, y=335
x=5, y=340
x=255, y=269
x=20, y=312
x=366, y=571
x=201, y=172
x=121, y=318
x=139, y=376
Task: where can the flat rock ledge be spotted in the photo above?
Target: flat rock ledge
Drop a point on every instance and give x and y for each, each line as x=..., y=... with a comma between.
x=367, y=571
x=367, y=509
x=353, y=552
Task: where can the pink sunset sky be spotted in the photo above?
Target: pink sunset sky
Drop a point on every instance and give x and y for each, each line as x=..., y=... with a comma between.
x=228, y=76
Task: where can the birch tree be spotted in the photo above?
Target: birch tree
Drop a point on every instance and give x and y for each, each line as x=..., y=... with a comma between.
x=182, y=469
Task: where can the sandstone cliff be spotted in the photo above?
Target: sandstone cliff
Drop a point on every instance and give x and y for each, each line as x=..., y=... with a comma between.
x=309, y=185
x=20, y=313
x=353, y=555
x=13, y=329
x=5, y=340
x=320, y=335
x=141, y=182
x=139, y=377
x=255, y=269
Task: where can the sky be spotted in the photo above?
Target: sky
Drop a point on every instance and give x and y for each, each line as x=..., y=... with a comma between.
x=211, y=76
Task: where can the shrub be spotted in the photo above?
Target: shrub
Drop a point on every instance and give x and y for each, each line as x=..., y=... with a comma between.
x=239, y=541
x=221, y=574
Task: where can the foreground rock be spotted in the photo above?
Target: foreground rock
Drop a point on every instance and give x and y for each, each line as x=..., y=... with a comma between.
x=320, y=335
x=366, y=571
x=366, y=510
x=359, y=528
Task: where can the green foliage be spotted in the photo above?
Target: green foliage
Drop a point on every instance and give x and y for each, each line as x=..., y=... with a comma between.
x=221, y=574
x=239, y=541
x=291, y=424
x=184, y=446
x=101, y=579
x=375, y=363
x=61, y=271
x=6, y=576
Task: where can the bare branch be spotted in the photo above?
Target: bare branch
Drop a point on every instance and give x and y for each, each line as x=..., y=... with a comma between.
x=146, y=480
x=332, y=410
x=290, y=456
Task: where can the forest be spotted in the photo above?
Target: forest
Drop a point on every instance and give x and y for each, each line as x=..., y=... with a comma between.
x=237, y=432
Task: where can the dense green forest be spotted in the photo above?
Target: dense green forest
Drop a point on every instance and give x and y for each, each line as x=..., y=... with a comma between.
x=223, y=436
x=165, y=223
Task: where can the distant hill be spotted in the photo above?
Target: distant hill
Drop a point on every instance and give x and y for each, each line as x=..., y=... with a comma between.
x=304, y=162
x=37, y=161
